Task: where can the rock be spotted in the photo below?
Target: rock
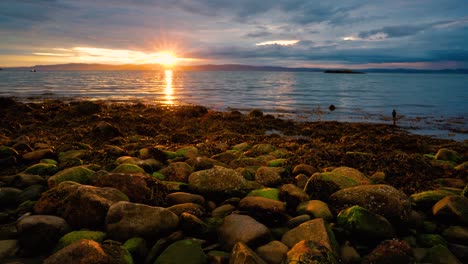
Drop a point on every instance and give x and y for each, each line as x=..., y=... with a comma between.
x=242, y=254
x=128, y=168
x=352, y=173
x=301, y=180
x=203, y=163
x=191, y=208
x=37, y=154
x=183, y=252
x=381, y=199
x=6, y=151
x=440, y=255
x=316, y=230
x=277, y=163
x=218, y=182
x=365, y=224
x=243, y=162
x=9, y=196
x=349, y=254
x=260, y=149
x=292, y=195
x=125, y=220
x=460, y=251
x=456, y=234
x=77, y=174
x=322, y=185
x=270, y=193
x=106, y=130
x=265, y=210
x=430, y=240
x=31, y=193
x=193, y=226
x=87, y=107
x=316, y=209
x=218, y=257
x=223, y=210
x=294, y=222
x=75, y=236
x=462, y=167
x=137, y=247
x=448, y=155
x=453, y=208
x=177, y=171
x=308, y=251
x=71, y=155
x=226, y=157
x=306, y=169
x=139, y=188
x=93, y=202
x=183, y=197
x=390, y=251
x=188, y=152
x=269, y=176
x=42, y=169
x=23, y=180
x=273, y=252
x=40, y=233
x=242, y=228
x=449, y=182
x=8, y=248
x=427, y=199
x=89, y=251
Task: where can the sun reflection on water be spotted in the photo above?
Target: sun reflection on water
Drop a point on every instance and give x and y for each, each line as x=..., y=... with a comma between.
x=168, y=91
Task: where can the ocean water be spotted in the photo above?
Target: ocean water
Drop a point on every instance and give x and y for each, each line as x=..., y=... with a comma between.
x=433, y=104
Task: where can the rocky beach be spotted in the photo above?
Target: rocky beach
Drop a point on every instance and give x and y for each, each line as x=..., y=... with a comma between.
x=97, y=182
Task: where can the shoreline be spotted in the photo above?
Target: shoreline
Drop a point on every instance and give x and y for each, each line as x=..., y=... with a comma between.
x=105, y=158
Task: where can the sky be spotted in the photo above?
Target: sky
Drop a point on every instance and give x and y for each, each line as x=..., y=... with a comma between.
x=420, y=34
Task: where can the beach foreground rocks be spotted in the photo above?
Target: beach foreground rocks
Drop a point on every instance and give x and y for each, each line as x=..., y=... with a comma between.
x=105, y=183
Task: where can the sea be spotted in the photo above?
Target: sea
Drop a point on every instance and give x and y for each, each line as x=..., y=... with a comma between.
x=428, y=104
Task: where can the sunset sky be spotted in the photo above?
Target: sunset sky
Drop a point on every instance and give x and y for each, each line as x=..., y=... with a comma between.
x=293, y=33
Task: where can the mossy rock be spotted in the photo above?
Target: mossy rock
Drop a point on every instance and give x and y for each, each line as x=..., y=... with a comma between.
x=440, y=254
x=270, y=193
x=6, y=151
x=171, y=154
x=316, y=209
x=322, y=185
x=128, y=168
x=448, y=155
x=277, y=162
x=42, y=169
x=49, y=161
x=137, y=246
x=71, y=154
x=187, y=152
x=158, y=176
x=430, y=240
x=241, y=147
x=79, y=174
x=363, y=222
x=427, y=199
x=74, y=236
x=182, y=252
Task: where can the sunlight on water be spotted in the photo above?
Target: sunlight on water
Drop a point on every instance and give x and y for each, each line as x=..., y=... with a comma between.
x=168, y=91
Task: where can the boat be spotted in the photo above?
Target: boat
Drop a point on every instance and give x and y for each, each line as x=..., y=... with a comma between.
x=33, y=70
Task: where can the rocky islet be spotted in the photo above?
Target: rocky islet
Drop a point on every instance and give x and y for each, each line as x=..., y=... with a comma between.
x=92, y=182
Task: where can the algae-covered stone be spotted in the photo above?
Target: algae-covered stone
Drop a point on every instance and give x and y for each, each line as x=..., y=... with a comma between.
x=241, y=147
x=322, y=185
x=390, y=251
x=42, y=169
x=308, y=251
x=430, y=240
x=187, y=152
x=352, y=174
x=448, y=155
x=6, y=151
x=128, y=168
x=427, y=199
x=277, y=162
x=269, y=176
x=137, y=247
x=177, y=171
x=440, y=254
x=316, y=209
x=218, y=181
x=361, y=222
x=242, y=228
x=74, y=236
x=183, y=252
x=78, y=174
x=260, y=149
x=270, y=193
x=71, y=154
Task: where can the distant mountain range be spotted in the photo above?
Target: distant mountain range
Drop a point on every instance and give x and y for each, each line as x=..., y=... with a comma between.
x=209, y=67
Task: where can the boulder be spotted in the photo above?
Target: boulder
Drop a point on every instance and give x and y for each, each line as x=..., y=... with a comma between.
x=316, y=209
x=127, y=168
x=218, y=182
x=89, y=251
x=308, y=251
x=177, y=171
x=448, y=155
x=139, y=188
x=363, y=223
x=191, y=208
x=183, y=252
x=390, y=251
x=453, y=208
x=68, y=196
x=270, y=193
x=242, y=228
x=316, y=230
x=456, y=234
x=272, y=252
x=31, y=193
x=125, y=220
x=352, y=173
x=23, y=180
x=40, y=233
x=440, y=254
x=381, y=199
x=75, y=236
x=306, y=169
x=265, y=210
x=9, y=196
x=8, y=248
x=183, y=197
x=322, y=185
x=269, y=176
x=37, y=154
x=79, y=174
x=193, y=226
x=42, y=169
x=292, y=195
x=427, y=199
x=241, y=253
x=260, y=149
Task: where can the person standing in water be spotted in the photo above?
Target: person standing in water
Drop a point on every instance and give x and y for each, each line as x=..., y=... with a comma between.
x=394, y=117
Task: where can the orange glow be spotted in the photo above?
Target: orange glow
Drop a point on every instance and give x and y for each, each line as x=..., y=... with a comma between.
x=166, y=58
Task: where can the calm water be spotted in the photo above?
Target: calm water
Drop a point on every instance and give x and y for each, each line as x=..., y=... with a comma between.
x=433, y=104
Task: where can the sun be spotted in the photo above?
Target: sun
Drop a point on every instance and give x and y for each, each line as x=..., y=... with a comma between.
x=166, y=58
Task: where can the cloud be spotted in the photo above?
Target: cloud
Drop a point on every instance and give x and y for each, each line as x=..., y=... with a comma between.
x=278, y=42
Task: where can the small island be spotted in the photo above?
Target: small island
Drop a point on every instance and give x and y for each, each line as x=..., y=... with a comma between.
x=343, y=71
